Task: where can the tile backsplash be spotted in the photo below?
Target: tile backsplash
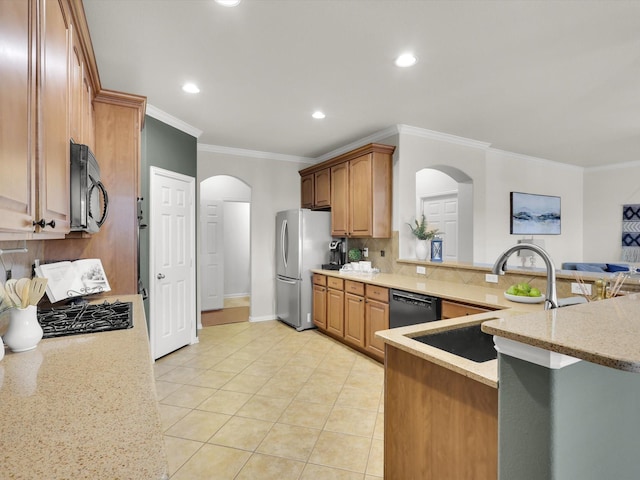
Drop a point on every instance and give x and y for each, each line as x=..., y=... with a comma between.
x=446, y=272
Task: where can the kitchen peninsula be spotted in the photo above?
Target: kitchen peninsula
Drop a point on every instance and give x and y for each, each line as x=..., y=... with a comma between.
x=569, y=380
x=82, y=407
x=566, y=378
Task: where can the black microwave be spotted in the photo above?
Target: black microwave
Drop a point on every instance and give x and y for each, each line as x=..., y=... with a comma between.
x=89, y=199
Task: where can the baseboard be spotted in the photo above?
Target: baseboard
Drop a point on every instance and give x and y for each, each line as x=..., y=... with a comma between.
x=263, y=318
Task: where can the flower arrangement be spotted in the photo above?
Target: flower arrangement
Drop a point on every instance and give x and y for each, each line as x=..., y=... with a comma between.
x=420, y=230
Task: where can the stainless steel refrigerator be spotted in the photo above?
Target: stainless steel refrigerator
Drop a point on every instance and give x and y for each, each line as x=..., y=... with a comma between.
x=302, y=243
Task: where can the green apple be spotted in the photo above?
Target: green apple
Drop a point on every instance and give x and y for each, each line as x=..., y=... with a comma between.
x=534, y=292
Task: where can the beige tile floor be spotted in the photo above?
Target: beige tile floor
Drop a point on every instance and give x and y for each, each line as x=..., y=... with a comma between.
x=261, y=401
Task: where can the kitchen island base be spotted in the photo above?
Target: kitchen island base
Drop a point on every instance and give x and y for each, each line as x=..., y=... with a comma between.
x=438, y=423
x=580, y=421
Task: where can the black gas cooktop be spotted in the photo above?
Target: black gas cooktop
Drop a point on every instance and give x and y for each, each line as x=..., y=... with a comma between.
x=87, y=318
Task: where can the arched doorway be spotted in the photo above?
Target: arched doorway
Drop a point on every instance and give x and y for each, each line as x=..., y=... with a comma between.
x=445, y=196
x=225, y=258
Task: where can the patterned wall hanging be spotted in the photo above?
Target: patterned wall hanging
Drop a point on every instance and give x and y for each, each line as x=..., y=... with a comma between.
x=631, y=233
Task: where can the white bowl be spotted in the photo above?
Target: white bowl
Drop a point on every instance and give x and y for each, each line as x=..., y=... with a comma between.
x=519, y=299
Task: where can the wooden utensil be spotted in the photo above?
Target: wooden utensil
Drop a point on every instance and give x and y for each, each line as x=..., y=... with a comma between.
x=10, y=289
x=37, y=289
x=22, y=291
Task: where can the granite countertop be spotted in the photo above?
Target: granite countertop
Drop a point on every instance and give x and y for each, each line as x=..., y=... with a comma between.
x=604, y=332
x=471, y=294
x=82, y=407
x=402, y=338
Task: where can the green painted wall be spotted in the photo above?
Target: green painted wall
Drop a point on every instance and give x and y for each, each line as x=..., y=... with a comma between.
x=578, y=422
x=165, y=147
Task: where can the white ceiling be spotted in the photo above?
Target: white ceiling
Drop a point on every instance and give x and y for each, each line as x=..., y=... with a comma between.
x=559, y=80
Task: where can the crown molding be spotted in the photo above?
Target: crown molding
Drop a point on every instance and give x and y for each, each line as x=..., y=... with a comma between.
x=529, y=158
x=164, y=117
x=241, y=152
x=615, y=166
x=373, y=138
x=445, y=137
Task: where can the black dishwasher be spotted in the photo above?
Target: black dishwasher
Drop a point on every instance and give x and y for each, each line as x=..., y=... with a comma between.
x=408, y=308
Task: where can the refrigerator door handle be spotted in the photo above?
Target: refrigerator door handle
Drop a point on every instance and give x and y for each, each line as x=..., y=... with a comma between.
x=291, y=282
x=284, y=241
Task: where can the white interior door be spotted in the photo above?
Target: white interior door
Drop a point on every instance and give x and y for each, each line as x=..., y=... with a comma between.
x=172, y=289
x=441, y=212
x=212, y=255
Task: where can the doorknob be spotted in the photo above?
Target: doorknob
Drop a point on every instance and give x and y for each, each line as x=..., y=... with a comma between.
x=160, y=276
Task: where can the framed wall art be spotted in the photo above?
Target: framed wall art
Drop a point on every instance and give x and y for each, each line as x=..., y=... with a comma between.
x=533, y=214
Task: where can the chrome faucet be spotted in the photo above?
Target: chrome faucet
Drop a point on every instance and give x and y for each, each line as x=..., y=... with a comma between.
x=551, y=300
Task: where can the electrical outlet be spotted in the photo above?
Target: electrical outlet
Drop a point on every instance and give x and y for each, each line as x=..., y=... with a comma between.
x=421, y=270
x=365, y=252
x=491, y=278
x=575, y=288
x=382, y=253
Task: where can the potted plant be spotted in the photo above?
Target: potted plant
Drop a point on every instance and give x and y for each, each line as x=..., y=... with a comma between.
x=422, y=237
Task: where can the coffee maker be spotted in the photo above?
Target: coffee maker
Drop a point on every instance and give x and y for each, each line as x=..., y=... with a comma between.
x=336, y=255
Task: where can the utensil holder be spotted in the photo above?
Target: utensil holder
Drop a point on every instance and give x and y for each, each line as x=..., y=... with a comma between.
x=24, y=332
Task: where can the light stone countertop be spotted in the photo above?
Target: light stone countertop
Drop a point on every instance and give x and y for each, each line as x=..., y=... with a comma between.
x=402, y=338
x=472, y=294
x=82, y=407
x=606, y=332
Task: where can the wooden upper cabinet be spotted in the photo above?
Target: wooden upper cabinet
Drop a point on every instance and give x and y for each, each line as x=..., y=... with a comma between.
x=340, y=200
x=322, y=188
x=359, y=191
x=88, y=112
x=360, y=197
x=47, y=93
x=76, y=90
x=53, y=124
x=315, y=190
x=307, y=191
x=17, y=129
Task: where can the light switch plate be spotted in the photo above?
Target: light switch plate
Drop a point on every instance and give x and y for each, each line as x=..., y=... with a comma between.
x=421, y=270
x=491, y=278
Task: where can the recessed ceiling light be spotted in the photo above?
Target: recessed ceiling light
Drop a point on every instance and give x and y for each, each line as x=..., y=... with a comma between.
x=406, y=60
x=228, y=3
x=318, y=114
x=190, y=88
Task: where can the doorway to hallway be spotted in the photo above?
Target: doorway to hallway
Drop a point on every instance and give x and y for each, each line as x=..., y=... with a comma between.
x=225, y=259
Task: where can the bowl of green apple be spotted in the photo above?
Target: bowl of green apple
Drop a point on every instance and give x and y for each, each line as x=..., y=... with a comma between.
x=523, y=293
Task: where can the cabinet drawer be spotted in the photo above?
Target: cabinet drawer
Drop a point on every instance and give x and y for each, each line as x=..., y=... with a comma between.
x=333, y=282
x=357, y=288
x=453, y=310
x=375, y=292
x=319, y=279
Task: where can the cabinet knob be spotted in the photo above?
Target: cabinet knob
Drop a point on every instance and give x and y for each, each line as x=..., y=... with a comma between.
x=42, y=223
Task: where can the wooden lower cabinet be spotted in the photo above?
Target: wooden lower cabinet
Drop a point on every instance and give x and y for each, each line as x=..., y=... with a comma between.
x=354, y=319
x=335, y=312
x=376, y=318
x=351, y=312
x=320, y=301
x=438, y=424
x=454, y=309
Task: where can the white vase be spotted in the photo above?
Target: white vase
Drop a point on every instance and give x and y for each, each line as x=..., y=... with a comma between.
x=24, y=331
x=422, y=249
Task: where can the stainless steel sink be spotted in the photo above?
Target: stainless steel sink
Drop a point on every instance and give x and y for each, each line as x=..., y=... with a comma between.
x=467, y=342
